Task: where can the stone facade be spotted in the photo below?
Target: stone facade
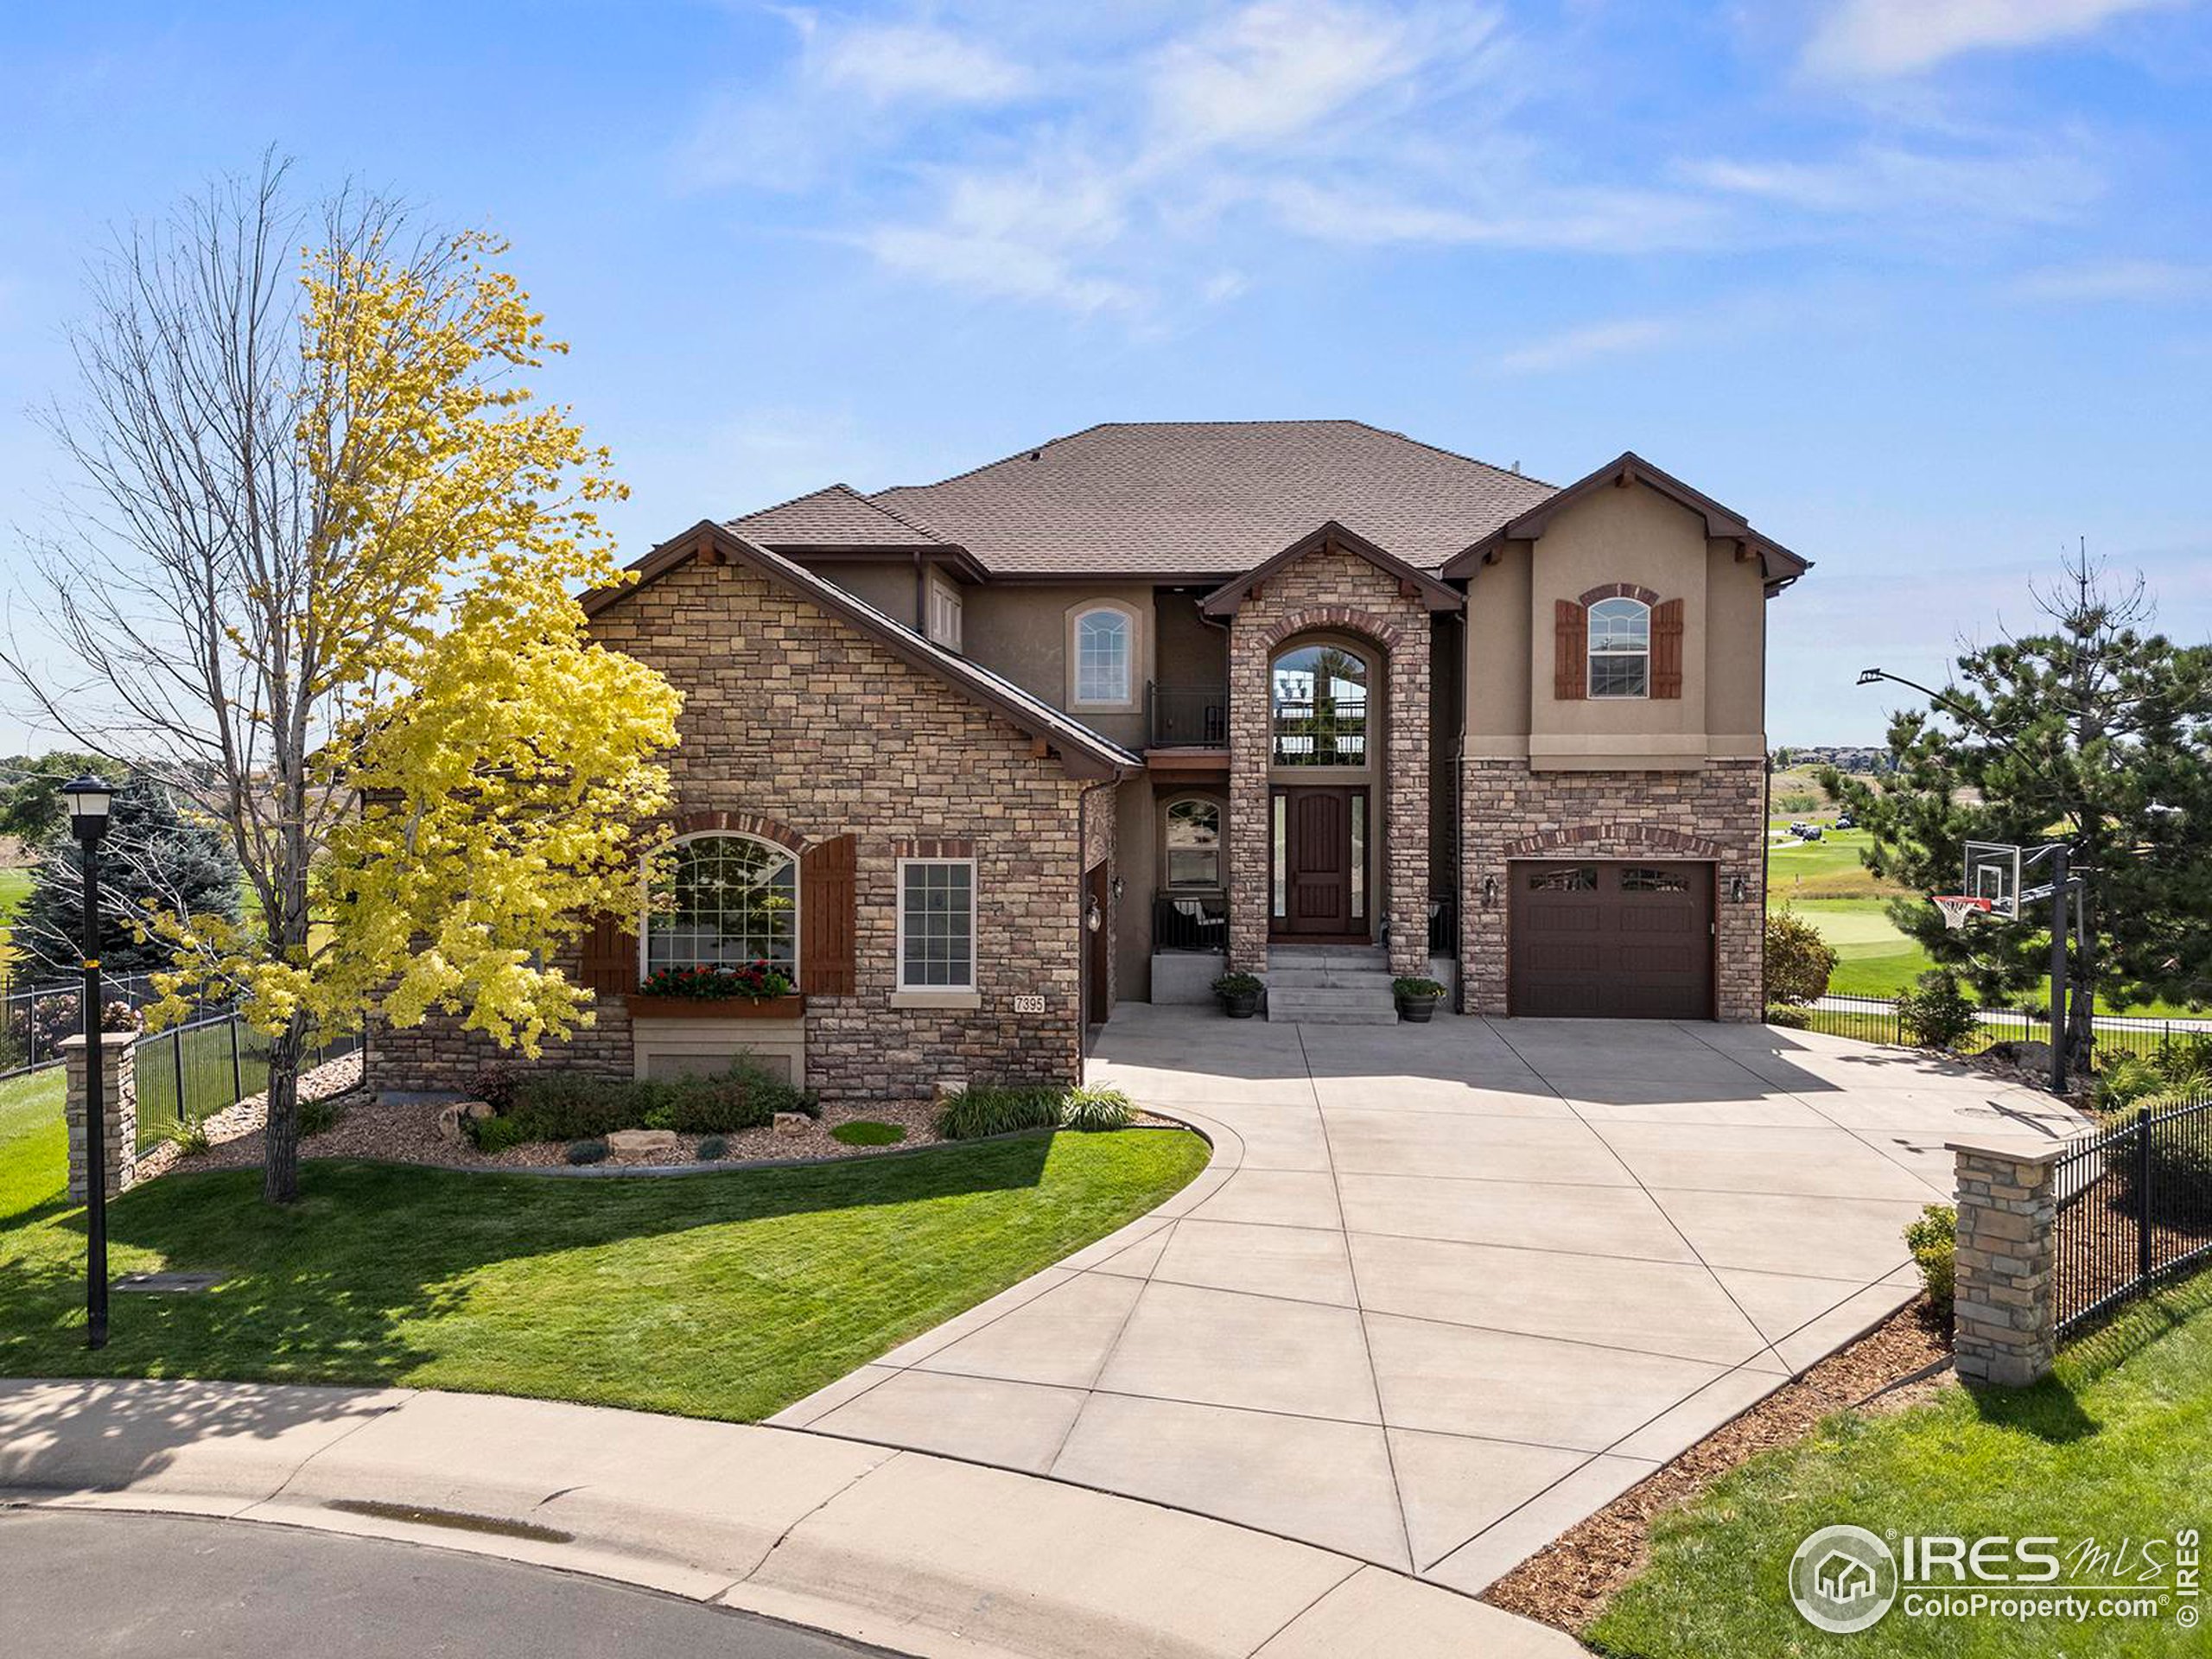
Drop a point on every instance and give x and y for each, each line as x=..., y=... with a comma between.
x=2004, y=1305
x=1331, y=590
x=1716, y=814
x=797, y=718
x=119, y=1119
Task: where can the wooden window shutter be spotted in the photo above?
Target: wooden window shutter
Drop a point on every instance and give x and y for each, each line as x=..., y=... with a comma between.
x=1571, y=651
x=609, y=964
x=1667, y=649
x=827, y=895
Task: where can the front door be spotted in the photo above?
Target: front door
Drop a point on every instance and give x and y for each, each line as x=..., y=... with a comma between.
x=1320, y=878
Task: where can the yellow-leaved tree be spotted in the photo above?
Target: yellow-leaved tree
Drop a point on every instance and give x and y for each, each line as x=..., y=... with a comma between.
x=321, y=583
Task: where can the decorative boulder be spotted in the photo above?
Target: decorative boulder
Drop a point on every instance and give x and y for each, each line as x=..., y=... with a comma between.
x=792, y=1122
x=449, y=1123
x=948, y=1088
x=642, y=1141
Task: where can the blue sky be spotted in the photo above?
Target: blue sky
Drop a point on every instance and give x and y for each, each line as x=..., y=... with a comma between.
x=1924, y=287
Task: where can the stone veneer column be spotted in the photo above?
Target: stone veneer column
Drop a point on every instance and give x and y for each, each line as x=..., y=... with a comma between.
x=119, y=1095
x=1250, y=713
x=2004, y=1309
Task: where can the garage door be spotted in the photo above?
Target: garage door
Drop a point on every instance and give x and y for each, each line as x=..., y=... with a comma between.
x=1623, y=941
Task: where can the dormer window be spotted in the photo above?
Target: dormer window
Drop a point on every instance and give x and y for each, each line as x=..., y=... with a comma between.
x=1620, y=648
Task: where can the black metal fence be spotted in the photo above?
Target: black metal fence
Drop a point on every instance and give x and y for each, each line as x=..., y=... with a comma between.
x=1187, y=716
x=2134, y=1208
x=1190, y=921
x=193, y=1070
x=1875, y=1020
x=34, y=1019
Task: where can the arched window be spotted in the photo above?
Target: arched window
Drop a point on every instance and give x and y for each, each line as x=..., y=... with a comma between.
x=1320, y=707
x=1104, y=654
x=723, y=898
x=1193, y=843
x=1620, y=648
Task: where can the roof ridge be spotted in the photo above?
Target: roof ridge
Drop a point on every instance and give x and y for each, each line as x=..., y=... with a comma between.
x=1025, y=450
x=1454, y=455
x=836, y=488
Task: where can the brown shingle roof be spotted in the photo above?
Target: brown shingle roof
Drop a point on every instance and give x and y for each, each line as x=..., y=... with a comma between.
x=839, y=517
x=1213, y=498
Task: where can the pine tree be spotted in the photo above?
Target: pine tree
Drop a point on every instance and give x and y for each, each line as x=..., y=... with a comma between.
x=152, y=857
x=2093, y=732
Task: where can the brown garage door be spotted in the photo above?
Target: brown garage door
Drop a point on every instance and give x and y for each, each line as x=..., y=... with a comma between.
x=1625, y=941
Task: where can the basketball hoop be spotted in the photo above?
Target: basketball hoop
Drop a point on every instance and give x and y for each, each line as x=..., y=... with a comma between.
x=1960, y=908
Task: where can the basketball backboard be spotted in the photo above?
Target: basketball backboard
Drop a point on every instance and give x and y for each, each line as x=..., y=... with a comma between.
x=1992, y=872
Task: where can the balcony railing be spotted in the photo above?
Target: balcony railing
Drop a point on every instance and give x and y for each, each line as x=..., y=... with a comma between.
x=1187, y=716
x=1190, y=921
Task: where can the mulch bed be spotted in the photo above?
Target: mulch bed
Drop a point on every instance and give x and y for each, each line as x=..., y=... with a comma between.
x=1569, y=1582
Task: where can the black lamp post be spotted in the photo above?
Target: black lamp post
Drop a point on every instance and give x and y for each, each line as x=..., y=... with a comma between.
x=89, y=799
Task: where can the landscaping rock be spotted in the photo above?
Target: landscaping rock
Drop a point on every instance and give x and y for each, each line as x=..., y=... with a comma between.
x=792, y=1122
x=947, y=1088
x=449, y=1124
x=479, y=1109
x=642, y=1141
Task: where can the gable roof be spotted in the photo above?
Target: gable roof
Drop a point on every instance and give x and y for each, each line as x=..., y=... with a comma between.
x=1780, y=566
x=1414, y=584
x=1082, y=751
x=841, y=520
x=1211, y=499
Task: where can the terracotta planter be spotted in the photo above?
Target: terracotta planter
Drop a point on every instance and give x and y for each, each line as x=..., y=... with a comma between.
x=642, y=1007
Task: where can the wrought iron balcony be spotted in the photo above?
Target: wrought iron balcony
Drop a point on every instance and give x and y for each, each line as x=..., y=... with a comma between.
x=1187, y=716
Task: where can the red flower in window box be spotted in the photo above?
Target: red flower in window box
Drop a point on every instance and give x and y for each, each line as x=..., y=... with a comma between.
x=735, y=988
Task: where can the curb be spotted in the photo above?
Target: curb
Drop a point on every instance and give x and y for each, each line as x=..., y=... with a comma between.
x=919, y=1555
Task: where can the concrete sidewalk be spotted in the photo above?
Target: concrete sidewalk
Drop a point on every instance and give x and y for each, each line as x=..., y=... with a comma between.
x=912, y=1552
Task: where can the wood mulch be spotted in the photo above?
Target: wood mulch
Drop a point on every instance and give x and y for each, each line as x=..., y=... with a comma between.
x=1568, y=1582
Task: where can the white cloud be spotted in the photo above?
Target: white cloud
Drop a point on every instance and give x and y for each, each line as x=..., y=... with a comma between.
x=1571, y=347
x=1585, y=220
x=1876, y=38
x=1022, y=236
x=2039, y=184
x=2115, y=279
x=895, y=63
x=1280, y=68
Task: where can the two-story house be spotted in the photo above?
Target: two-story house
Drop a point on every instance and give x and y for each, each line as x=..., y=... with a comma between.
x=979, y=758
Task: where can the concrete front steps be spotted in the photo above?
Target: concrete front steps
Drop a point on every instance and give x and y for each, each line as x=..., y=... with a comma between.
x=1331, y=985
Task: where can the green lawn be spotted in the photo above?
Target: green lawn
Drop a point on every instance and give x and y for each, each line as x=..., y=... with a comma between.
x=723, y=1296
x=14, y=884
x=2110, y=1447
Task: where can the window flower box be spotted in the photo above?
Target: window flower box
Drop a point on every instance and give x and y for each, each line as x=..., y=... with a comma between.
x=749, y=990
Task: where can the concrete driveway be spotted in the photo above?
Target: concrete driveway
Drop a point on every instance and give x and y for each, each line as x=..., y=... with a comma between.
x=1444, y=1290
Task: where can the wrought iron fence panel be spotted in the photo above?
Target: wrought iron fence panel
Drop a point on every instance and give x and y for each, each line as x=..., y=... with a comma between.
x=2134, y=1208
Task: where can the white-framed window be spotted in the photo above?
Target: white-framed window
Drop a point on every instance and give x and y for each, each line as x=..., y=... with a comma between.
x=1192, y=843
x=937, y=923
x=1104, y=647
x=722, y=897
x=944, y=613
x=1620, y=648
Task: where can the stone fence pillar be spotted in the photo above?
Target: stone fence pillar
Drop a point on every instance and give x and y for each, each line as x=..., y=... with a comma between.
x=119, y=1092
x=2004, y=1312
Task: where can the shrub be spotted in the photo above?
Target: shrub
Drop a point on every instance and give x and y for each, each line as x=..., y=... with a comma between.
x=588, y=1152
x=712, y=1147
x=1095, y=1107
x=2178, y=1068
x=1798, y=960
x=1795, y=1019
x=999, y=1108
x=575, y=1105
x=866, y=1132
x=496, y=1083
x=495, y=1135
x=320, y=1115
x=1414, y=989
x=2180, y=1164
x=190, y=1139
x=1238, y=985
x=1933, y=1238
x=1938, y=1014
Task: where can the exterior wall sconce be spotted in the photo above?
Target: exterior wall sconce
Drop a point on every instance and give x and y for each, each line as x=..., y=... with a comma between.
x=1490, y=892
x=1739, y=889
x=1118, y=884
x=1094, y=919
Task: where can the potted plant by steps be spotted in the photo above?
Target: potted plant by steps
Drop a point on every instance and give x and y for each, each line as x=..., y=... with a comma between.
x=1417, y=999
x=1239, y=995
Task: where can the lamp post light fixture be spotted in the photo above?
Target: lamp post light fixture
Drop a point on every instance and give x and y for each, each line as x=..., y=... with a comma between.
x=89, y=799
